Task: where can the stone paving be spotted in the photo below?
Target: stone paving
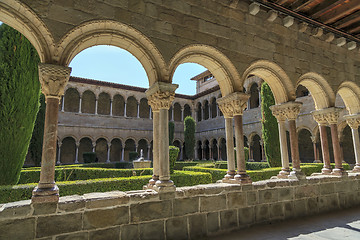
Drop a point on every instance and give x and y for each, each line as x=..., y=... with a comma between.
x=336, y=225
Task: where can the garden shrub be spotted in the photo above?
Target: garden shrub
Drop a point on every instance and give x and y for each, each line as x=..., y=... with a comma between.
x=133, y=156
x=89, y=157
x=19, y=101
x=189, y=136
x=24, y=191
x=173, y=155
x=171, y=132
x=249, y=165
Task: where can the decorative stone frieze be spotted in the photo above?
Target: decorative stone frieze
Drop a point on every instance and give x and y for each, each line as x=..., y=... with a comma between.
x=353, y=120
x=233, y=104
x=161, y=95
x=53, y=79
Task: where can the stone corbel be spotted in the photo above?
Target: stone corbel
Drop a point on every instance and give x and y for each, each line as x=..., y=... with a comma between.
x=53, y=79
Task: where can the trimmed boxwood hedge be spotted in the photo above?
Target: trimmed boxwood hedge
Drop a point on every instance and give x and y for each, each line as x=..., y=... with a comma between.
x=24, y=191
x=249, y=165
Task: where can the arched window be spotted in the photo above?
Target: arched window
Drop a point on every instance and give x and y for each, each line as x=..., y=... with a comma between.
x=187, y=111
x=104, y=104
x=213, y=108
x=199, y=112
x=118, y=105
x=101, y=150
x=144, y=108
x=131, y=107
x=85, y=146
x=206, y=110
x=71, y=100
x=88, y=102
x=68, y=150
x=177, y=112
x=254, y=96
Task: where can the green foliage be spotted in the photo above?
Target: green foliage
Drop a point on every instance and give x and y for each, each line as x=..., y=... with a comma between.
x=173, y=155
x=19, y=101
x=246, y=150
x=171, y=133
x=270, y=132
x=180, y=178
x=89, y=157
x=189, y=136
x=36, y=142
x=133, y=156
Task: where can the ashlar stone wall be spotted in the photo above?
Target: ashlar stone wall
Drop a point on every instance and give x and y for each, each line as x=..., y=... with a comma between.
x=189, y=213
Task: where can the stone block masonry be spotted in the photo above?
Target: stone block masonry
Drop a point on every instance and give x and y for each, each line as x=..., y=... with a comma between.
x=190, y=213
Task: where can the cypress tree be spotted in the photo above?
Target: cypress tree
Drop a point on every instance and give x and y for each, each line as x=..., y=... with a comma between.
x=270, y=132
x=189, y=136
x=36, y=142
x=19, y=101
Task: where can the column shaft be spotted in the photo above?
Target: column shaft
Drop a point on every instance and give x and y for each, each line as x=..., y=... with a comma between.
x=325, y=149
x=77, y=153
x=240, y=154
x=164, y=175
x=122, y=154
x=355, y=136
x=336, y=148
x=80, y=103
x=96, y=106
x=283, y=149
x=156, y=170
x=294, y=145
x=108, y=153
x=111, y=107
x=59, y=154
x=230, y=148
x=125, y=109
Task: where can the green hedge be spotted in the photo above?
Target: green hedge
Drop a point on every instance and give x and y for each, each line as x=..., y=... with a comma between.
x=173, y=155
x=121, y=165
x=249, y=165
x=24, y=191
x=73, y=174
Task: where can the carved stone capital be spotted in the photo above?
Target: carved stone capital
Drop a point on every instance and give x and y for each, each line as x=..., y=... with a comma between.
x=327, y=116
x=53, y=79
x=313, y=139
x=161, y=95
x=288, y=110
x=233, y=104
x=353, y=120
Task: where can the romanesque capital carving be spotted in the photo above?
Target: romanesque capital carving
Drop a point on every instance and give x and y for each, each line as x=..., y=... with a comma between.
x=288, y=110
x=353, y=120
x=233, y=104
x=327, y=116
x=53, y=79
x=161, y=95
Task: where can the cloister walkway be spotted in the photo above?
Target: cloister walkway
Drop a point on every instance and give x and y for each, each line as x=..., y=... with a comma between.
x=343, y=224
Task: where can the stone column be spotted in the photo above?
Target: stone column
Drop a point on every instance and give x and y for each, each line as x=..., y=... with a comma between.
x=93, y=146
x=280, y=114
x=182, y=114
x=53, y=79
x=96, y=105
x=292, y=112
x=203, y=152
x=160, y=97
x=149, y=112
x=62, y=103
x=59, y=153
x=172, y=113
x=77, y=152
x=209, y=106
x=80, y=102
x=124, y=108
x=332, y=116
x=354, y=121
x=108, y=152
x=251, y=151
x=122, y=154
x=148, y=151
x=111, y=107
x=313, y=140
x=219, y=152
x=319, y=117
x=217, y=111
x=210, y=152
x=229, y=147
x=138, y=110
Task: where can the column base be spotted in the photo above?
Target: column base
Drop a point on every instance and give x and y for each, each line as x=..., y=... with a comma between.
x=243, y=178
x=326, y=170
x=45, y=195
x=297, y=174
x=339, y=172
x=164, y=186
x=284, y=173
x=151, y=183
x=229, y=175
x=356, y=169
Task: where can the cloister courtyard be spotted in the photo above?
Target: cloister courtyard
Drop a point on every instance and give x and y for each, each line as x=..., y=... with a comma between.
x=306, y=52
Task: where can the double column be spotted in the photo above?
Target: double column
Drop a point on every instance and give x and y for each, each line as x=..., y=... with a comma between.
x=288, y=111
x=324, y=117
x=53, y=79
x=232, y=106
x=354, y=121
x=160, y=97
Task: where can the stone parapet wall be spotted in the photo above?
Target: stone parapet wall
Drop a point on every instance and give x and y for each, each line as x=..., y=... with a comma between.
x=189, y=213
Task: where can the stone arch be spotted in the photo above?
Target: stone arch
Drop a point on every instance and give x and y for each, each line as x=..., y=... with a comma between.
x=131, y=107
x=306, y=147
x=20, y=17
x=130, y=146
x=301, y=91
x=71, y=100
x=85, y=146
x=101, y=149
x=104, y=103
x=68, y=150
x=319, y=88
x=88, y=102
x=215, y=61
x=350, y=94
x=107, y=32
x=118, y=105
x=187, y=110
x=177, y=112
x=255, y=147
x=254, y=96
x=275, y=76
x=115, y=150
x=144, y=108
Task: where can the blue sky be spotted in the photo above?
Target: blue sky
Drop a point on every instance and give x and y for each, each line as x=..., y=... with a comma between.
x=113, y=64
